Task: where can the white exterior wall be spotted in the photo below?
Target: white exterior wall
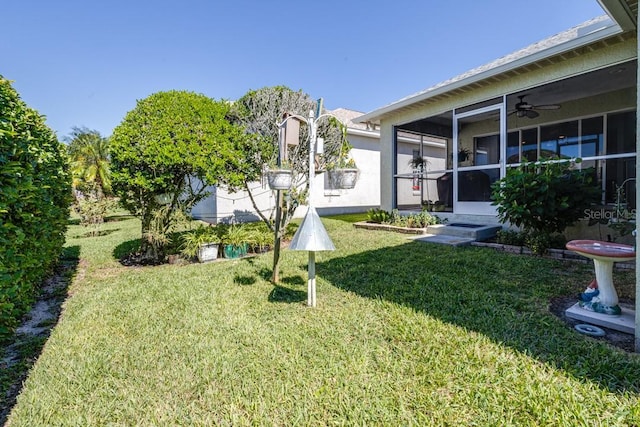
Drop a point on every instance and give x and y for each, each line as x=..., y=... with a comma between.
x=366, y=194
x=222, y=206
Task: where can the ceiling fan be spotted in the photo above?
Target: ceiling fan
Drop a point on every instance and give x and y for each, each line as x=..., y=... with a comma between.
x=524, y=109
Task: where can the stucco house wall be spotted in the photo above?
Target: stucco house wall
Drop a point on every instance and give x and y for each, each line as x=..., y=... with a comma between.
x=366, y=194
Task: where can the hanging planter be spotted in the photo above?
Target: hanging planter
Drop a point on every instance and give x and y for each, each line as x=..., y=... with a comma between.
x=343, y=173
x=279, y=179
x=344, y=179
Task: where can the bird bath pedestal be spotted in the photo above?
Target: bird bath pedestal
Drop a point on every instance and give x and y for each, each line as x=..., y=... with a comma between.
x=599, y=306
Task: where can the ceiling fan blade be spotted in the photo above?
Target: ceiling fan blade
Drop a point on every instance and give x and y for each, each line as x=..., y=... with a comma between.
x=546, y=107
x=531, y=114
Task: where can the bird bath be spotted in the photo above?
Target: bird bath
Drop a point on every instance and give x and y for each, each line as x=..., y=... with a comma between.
x=603, y=299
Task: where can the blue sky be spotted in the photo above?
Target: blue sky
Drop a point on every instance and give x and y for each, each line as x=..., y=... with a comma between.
x=83, y=63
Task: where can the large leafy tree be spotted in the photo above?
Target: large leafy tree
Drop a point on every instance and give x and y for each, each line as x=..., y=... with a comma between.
x=259, y=112
x=89, y=155
x=172, y=144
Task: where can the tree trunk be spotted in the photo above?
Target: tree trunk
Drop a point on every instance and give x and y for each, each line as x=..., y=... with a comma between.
x=276, y=244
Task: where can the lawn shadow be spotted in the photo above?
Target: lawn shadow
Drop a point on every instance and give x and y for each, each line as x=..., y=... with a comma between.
x=22, y=350
x=118, y=217
x=244, y=280
x=287, y=295
x=126, y=248
x=294, y=280
x=283, y=291
x=97, y=233
x=502, y=296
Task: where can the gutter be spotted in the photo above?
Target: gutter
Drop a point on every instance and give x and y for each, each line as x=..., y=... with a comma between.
x=362, y=132
x=376, y=135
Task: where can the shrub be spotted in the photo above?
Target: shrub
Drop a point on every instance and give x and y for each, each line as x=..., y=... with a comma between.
x=35, y=194
x=510, y=237
x=92, y=212
x=378, y=216
x=413, y=220
x=539, y=243
x=423, y=219
x=544, y=198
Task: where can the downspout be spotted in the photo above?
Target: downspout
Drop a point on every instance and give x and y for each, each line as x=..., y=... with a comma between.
x=637, y=334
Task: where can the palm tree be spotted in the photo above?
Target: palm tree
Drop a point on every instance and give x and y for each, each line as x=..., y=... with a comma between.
x=89, y=155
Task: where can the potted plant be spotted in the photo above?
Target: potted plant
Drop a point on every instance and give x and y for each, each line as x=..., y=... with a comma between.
x=428, y=205
x=236, y=241
x=261, y=239
x=418, y=162
x=280, y=176
x=201, y=243
x=463, y=154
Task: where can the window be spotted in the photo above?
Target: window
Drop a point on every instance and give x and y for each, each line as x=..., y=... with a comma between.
x=513, y=147
x=529, y=142
x=475, y=185
x=487, y=150
x=621, y=132
x=612, y=159
x=560, y=140
x=592, y=139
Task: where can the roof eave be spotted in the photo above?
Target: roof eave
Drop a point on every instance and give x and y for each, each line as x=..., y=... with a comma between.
x=587, y=39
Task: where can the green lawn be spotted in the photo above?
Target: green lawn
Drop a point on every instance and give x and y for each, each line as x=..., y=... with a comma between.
x=405, y=333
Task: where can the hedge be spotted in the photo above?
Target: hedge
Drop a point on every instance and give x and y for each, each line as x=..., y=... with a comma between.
x=35, y=194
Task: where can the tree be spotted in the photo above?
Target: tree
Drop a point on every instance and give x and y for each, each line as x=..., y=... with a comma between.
x=172, y=144
x=89, y=156
x=259, y=112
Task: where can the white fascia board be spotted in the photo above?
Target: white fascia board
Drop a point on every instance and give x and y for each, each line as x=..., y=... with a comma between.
x=364, y=132
x=587, y=39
